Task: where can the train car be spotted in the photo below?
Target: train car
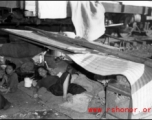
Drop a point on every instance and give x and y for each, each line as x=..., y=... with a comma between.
x=135, y=15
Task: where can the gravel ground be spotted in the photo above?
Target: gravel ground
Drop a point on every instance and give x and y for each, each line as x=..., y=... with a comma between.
x=23, y=106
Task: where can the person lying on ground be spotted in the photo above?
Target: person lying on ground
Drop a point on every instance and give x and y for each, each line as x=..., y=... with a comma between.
x=63, y=86
x=72, y=83
x=10, y=79
x=46, y=81
x=55, y=83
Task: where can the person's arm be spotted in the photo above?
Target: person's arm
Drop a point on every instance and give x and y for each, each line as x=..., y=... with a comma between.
x=36, y=88
x=7, y=90
x=35, y=92
x=65, y=86
x=3, y=80
x=14, y=81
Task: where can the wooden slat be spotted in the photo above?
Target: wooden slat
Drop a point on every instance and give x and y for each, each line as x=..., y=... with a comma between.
x=43, y=41
x=87, y=44
x=114, y=8
x=40, y=44
x=133, y=9
x=118, y=8
x=63, y=40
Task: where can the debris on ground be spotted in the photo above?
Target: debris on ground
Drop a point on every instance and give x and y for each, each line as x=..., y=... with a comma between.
x=43, y=114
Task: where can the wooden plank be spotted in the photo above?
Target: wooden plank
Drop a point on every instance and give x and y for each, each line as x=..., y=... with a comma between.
x=103, y=49
x=133, y=9
x=49, y=47
x=112, y=7
x=114, y=25
x=116, y=7
x=44, y=41
x=65, y=41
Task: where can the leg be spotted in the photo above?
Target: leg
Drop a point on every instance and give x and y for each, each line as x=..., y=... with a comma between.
x=4, y=103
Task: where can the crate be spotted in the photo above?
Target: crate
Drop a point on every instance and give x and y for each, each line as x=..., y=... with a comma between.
x=118, y=101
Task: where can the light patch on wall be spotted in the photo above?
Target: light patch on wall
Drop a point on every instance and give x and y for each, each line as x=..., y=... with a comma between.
x=31, y=6
x=52, y=9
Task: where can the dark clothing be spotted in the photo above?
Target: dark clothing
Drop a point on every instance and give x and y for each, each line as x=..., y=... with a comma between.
x=57, y=89
x=75, y=89
x=12, y=82
x=47, y=82
x=4, y=103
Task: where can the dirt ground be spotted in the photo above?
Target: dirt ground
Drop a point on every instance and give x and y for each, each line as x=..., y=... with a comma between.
x=23, y=103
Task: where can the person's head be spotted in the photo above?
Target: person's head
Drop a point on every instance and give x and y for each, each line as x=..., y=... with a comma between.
x=10, y=68
x=42, y=71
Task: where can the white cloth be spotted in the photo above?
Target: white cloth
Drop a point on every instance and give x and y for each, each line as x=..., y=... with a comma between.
x=38, y=59
x=88, y=19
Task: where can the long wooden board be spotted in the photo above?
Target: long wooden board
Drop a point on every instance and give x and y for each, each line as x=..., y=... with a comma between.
x=50, y=39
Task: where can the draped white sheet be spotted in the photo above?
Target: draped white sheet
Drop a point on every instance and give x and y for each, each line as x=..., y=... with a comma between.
x=88, y=19
x=87, y=16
